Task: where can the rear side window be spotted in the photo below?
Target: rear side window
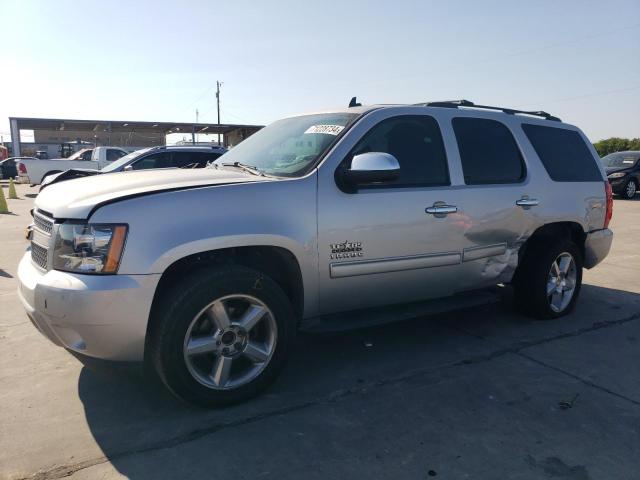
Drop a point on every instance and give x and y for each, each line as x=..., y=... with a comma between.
x=563, y=154
x=488, y=152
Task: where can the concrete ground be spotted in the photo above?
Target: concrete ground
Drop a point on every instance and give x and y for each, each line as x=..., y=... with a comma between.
x=475, y=394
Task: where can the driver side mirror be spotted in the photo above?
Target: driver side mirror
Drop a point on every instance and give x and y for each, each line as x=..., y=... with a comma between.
x=128, y=168
x=372, y=167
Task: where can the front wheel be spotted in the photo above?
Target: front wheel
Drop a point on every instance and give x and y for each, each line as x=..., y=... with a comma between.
x=630, y=189
x=549, y=279
x=221, y=336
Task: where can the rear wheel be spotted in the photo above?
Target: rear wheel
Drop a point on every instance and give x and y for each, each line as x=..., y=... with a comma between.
x=548, y=280
x=221, y=336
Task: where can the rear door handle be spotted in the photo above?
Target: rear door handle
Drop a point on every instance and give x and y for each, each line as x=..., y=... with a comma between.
x=527, y=202
x=441, y=209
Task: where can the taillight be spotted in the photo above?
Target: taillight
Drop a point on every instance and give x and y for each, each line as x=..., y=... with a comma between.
x=22, y=168
x=609, y=212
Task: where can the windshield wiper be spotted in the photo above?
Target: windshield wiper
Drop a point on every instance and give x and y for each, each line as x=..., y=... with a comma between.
x=245, y=168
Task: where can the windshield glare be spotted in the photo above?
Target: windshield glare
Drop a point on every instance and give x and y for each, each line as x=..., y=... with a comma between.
x=115, y=165
x=619, y=160
x=289, y=147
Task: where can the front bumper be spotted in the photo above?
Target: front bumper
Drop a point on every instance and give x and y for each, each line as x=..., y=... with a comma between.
x=597, y=246
x=103, y=316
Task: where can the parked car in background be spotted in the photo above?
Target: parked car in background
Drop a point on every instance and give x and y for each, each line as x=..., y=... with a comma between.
x=623, y=172
x=314, y=222
x=33, y=171
x=155, y=157
x=9, y=168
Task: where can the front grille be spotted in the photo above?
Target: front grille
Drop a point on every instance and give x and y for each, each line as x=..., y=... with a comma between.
x=42, y=223
x=41, y=237
x=39, y=255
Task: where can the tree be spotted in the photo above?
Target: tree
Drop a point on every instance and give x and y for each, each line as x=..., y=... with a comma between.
x=615, y=144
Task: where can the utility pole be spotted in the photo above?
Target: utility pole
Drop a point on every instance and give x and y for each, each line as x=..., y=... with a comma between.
x=218, y=85
x=194, y=137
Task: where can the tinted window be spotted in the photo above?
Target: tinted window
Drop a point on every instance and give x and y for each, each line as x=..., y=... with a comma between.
x=155, y=160
x=113, y=154
x=563, y=154
x=416, y=143
x=488, y=152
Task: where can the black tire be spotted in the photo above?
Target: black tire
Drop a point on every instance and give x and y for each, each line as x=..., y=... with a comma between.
x=181, y=303
x=625, y=193
x=530, y=282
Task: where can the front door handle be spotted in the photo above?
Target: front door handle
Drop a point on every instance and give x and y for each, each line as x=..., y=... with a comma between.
x=527, y=202
x=438, y=209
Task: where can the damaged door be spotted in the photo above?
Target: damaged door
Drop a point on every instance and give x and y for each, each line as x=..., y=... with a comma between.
x=497, y=203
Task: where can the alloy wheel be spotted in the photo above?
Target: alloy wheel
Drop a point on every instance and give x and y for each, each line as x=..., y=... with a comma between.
x=230, y=342
x=631, y=189
x=561, y=282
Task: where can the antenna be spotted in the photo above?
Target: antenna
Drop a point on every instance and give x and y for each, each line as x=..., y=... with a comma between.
x=354, y=103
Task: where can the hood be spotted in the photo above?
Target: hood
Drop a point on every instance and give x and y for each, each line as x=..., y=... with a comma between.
x=67, y=175
x=77, y=198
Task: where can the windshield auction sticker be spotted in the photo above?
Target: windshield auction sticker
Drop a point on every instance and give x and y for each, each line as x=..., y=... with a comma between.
x=326, y=129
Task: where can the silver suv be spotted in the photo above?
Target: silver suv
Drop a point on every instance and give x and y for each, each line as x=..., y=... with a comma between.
x=314, y=222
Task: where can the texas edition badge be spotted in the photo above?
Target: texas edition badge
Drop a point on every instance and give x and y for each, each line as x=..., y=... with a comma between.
x=345, y=250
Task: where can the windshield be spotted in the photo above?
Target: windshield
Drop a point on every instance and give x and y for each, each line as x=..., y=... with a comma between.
x=622, y=160
x=117, y=164
x=289, y=147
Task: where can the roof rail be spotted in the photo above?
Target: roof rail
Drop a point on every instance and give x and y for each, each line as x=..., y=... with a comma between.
x=510, y=111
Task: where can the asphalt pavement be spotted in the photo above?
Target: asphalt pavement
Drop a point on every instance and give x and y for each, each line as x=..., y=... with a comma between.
x=480, y=394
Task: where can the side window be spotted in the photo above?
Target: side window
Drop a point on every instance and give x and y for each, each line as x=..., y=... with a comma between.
x=113, y=154
x=488, y=152
x=86, y=156
x=563, y=154
x=416, y=142
x=156, y=160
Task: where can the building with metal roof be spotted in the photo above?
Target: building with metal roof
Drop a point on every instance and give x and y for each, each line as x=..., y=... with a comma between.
x=56, y=132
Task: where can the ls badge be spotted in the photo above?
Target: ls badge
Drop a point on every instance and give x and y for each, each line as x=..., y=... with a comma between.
x=345, y=250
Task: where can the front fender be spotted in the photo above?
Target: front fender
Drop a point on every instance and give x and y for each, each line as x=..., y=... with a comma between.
x=218, y=243
x=168, y=226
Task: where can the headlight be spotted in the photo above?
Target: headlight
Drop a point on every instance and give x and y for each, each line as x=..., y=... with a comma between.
x=617, y=175
x=89, y=248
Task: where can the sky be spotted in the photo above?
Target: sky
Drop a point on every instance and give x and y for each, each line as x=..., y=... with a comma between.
x=159, y=61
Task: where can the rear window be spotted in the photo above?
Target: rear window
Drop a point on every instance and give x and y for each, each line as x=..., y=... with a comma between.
x=563, y=153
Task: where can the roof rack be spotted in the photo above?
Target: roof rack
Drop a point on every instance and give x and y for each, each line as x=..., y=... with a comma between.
x=510, y=111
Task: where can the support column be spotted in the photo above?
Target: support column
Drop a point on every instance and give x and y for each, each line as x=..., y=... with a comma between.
x=15, y=137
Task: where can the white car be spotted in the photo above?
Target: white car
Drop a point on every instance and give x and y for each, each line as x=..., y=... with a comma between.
x=33, y=171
